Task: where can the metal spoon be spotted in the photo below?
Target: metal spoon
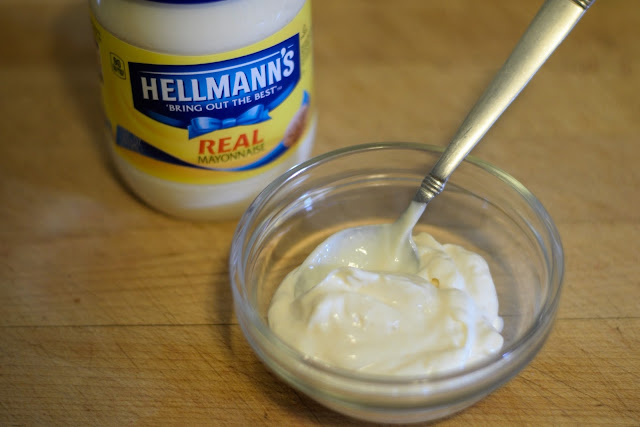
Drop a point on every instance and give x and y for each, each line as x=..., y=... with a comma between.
x=389, y=247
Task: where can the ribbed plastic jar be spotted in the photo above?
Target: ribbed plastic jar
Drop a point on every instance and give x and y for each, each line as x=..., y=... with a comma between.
x=206, y=102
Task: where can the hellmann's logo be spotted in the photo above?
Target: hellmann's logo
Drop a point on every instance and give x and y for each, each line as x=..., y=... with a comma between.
x=206, y=97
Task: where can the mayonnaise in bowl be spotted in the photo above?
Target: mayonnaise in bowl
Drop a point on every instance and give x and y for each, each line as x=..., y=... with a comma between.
x=442, y=318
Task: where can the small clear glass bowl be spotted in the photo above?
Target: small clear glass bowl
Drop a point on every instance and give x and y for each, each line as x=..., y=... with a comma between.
x=482, y=208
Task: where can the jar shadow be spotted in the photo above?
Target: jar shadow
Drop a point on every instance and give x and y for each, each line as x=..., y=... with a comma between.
x=75, y=56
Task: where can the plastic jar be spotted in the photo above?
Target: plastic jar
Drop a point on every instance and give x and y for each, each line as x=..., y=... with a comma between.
x=206, y=102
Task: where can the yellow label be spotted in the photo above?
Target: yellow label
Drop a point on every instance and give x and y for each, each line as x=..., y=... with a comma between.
x=214, y=118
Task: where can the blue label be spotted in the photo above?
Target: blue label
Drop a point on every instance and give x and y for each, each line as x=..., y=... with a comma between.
x=206, y=97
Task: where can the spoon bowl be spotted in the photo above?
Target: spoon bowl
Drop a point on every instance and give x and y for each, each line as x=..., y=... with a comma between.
x=385, y=247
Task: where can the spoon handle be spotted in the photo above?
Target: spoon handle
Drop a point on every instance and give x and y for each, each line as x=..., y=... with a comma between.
x=554, y=20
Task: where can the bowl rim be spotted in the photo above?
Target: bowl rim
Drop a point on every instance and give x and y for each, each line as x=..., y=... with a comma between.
x=510, y=360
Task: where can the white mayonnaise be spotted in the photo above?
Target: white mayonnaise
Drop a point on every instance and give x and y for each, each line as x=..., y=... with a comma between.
x=441, y=318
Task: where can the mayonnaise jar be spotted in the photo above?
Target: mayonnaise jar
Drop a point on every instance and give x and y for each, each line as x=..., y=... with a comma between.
x=206, y=102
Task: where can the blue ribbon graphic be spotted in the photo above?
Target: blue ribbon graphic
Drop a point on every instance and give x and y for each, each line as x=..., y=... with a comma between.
x=201, y=125
x=259, y=113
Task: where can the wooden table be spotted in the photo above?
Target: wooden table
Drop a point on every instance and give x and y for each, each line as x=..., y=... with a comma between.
x=112, y=313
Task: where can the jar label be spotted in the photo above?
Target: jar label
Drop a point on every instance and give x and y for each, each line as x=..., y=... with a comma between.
x=213, y=118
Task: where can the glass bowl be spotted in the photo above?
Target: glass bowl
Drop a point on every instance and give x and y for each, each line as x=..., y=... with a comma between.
x=482, y=208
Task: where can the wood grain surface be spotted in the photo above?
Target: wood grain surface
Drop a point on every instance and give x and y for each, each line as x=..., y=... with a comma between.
x=112, y=313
